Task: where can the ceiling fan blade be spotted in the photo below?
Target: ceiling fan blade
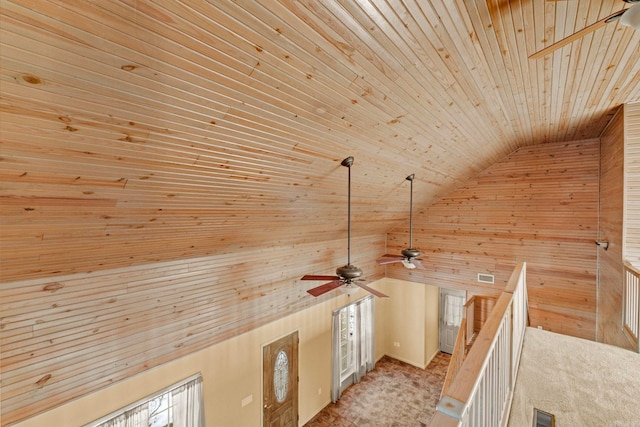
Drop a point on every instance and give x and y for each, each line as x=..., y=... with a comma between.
x=371, y=290
x=417, y=263
x=323, y=289
x=315, y=277
x=388, y=259
x=573, y=37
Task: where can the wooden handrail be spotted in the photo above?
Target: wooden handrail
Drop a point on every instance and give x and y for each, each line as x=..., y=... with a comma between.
x=470, y=315
x=499, y=341
x=457, y=357
x=474, y=362
x=512, y=284
x=463, y=338
x=633, y=268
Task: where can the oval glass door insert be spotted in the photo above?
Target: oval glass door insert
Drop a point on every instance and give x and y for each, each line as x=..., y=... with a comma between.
x=281, y=376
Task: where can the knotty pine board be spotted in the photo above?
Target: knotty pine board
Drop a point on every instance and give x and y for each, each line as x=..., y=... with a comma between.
x=539, y=205
x=632, y=183
x=612, y=208
x=66, y=337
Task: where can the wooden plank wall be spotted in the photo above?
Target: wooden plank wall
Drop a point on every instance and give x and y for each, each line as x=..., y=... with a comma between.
x=71, y=335
x=632, y=183
x=610, y=229
x=145, y=131
x=483, y=306
x=539, y=205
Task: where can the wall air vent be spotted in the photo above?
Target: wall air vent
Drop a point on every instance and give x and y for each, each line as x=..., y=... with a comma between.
x=543, y=419
x=485, y=278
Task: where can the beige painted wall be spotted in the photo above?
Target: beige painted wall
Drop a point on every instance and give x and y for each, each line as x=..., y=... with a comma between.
x=404, y=332
x=232, y=369
x=431, y=325
x=411, y=321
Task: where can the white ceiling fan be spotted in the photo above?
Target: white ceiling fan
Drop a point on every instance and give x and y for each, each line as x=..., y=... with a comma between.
x=629, y=17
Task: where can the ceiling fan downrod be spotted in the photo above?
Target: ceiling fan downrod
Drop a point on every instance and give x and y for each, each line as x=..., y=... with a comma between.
x=348, y=272
x=347, y=163
x=410, y=179
x=410, y=252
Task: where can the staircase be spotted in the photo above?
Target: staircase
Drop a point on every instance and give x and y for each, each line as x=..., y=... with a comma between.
x=476, y=312
x=479, y=385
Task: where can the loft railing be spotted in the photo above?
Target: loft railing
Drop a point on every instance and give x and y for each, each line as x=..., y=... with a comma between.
x=481, y=392
x=631, y=305
x=465, y=332
x=473, y=317
x=470, y=315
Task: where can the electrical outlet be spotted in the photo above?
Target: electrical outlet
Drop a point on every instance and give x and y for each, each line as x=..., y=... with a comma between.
x=320, y=390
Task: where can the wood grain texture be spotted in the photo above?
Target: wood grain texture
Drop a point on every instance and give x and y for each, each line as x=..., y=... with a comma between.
x=64, y=339
x=539, y=204
x=139, y=132
x=483, y=306
x=631, y=219
x=163, y=159
x=612, y=226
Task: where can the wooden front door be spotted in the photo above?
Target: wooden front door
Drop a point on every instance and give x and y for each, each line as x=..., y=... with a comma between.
x=280, y=382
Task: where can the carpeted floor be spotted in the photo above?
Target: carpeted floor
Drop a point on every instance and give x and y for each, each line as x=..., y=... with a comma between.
x=393, y=394
x=583, y=383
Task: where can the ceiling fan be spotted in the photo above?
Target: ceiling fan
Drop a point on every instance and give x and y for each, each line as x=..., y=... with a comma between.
x=409, y=257
x=348, y=276
x=629, y=17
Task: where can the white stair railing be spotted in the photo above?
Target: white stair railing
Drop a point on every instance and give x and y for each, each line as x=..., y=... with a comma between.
x=480, y=394
x=631, y=305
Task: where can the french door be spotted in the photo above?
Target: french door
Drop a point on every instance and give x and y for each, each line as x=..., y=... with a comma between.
x=353, y=344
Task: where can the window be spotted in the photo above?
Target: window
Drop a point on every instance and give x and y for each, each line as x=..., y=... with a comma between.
x=180, y=405
x=347, y=340
x=160, y=411
x=352, y=354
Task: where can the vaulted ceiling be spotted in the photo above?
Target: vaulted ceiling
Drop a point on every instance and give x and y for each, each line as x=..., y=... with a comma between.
x=135, y=131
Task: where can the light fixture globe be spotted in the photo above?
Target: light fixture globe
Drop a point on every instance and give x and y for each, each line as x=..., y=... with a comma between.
x=408, y=264
x=349, y=289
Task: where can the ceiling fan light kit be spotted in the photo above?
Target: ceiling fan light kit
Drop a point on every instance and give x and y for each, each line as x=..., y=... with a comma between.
x=349, y=289
x=408, y=264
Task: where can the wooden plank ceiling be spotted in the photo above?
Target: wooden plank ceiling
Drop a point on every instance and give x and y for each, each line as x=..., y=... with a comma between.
x=136, y=131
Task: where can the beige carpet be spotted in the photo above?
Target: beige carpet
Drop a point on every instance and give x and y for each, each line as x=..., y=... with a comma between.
x=581, y=382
